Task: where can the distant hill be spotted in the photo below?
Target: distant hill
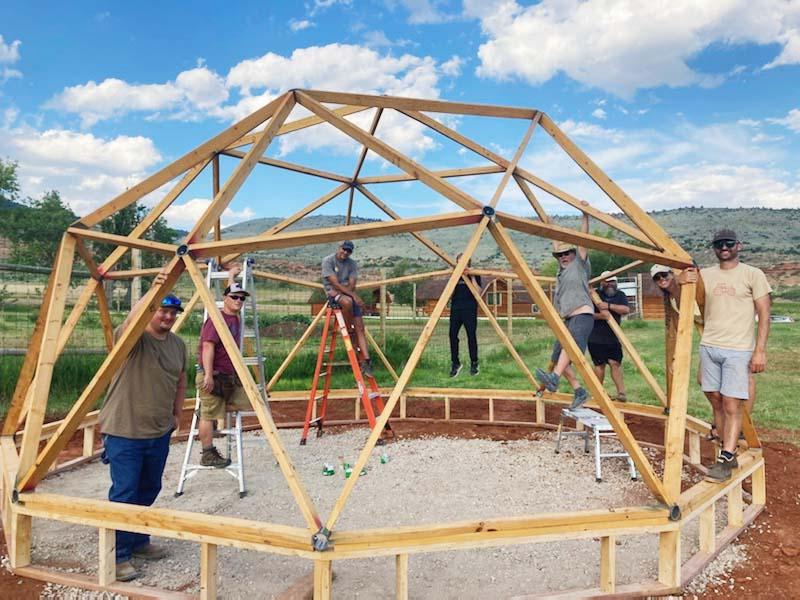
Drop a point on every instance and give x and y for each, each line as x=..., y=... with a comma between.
x=770, y=237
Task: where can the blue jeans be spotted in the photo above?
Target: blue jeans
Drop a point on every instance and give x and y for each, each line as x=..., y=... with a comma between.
x=136, y=470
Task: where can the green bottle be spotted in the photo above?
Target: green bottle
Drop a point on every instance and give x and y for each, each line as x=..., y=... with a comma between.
x=328, y=469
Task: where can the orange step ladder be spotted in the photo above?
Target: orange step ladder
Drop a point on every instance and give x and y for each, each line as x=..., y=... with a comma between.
x=368, y=391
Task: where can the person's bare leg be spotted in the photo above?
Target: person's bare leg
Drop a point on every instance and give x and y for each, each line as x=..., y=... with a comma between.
x=751, y=392
x=206, y=432
x=562, y=363
x=362, y=338
x=715, y=399
x=732, y=408
x=616, y=376
x=600, y=371
x=569, y=374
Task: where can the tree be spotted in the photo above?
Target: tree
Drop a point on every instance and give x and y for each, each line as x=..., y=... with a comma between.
x=9, y=183
x=122, y=223
x=403, y=292
x=35, y=229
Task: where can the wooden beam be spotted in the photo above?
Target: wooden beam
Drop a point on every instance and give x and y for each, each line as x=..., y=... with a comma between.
x=105, y=316
x=40, y=385
x=390, y=154
x=123, y=240
x=202, y=153
x=406, y=374
x=532, y=200
x=288, y=166
x=619, y=271
x=131, y=273
x=304, y=502
x=208, y=571
x=633, y=354
x=608, y=563
x=675, y=430
x=594, y=386
x=31, y=476
x=324, y=199
x=514, y=161
x=401, y=576
x=759, y=486
x=645, y=222
x=669, y=558
x=299, y=124
x=443, y=173
x=403, y=279
x=323, y=578
x=432, y=246
x=333, y=234
x=19, y=553
x=735, y=506
x=588, y=240
x=349, y=207
x=396, y=102
x=373, y=126
x=242, y=171
x=106, y=556
x=707, y=529
x=297, y=347
x=381, y=355
x=286, y=279
x=188, y=307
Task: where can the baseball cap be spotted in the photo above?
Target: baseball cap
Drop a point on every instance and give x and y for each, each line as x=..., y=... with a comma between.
x=348, y=245
x=235, y=288
x=171, y=301
x=563, y=247
x=656, y=269
x=607, y=276
x=725, y=234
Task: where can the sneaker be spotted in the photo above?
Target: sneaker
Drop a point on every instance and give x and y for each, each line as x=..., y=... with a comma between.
x=149, y=552
x=366, y=368
x=455, y=370
x=126, y=571
x=212, y=458
x=473, y=369
x=720, y=471
x=548, y=380
x=621, y=397
x=579, y=398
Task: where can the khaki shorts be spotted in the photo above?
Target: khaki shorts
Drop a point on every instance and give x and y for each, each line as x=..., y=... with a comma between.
x=214, y=407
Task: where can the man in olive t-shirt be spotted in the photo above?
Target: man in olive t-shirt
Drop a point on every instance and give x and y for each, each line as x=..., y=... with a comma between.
x=141, y=409
x=730, y=349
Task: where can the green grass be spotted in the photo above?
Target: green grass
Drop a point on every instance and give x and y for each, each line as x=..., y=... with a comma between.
x=776, y=406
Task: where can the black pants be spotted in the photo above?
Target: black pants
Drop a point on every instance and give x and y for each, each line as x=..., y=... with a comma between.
x=469, y=319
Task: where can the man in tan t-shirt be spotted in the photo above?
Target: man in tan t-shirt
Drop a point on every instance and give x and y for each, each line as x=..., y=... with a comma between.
x=730, y=349
x=141, y=409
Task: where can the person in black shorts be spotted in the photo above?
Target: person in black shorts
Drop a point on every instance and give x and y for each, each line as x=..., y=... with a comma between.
x=604, y=347
x=464, y=311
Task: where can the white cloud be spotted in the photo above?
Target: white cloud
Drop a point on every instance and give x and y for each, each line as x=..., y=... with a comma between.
x=9, y=53
x=624, y=45
x=452, y=67
x=791, y=120
x=322, y=5
x=424, y=12
x=298, y=25
x=187, y=214
x=599, y=113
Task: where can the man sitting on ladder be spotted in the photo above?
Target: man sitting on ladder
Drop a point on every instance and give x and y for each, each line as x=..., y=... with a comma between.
x=339, y=277
x=218, y=385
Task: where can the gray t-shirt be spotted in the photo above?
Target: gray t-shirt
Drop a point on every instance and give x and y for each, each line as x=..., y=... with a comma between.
x=344, y=270
x=141, y=396
x=572, y=287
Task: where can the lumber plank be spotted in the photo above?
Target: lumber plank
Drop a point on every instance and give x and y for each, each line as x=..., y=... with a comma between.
x=443, y=173
x=289, y=166
x=322, y=200
x=669, y=558
x=297, y=347
x=401, y=577
x=707, y=529
x=208, y=571
x=323, y=577
x=616, y=272
x=107, y=556
x=608, y=563
x=285, y=279
x=123, y=240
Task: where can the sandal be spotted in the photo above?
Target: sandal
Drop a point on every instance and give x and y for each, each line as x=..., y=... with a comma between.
x=712, y=436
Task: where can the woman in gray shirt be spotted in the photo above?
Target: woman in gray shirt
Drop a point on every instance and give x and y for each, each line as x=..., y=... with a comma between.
x=574, y=305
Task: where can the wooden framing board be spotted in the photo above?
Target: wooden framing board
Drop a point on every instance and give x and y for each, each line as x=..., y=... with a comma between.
x=333, y=234
x=123, y=240
x=191, y=159
x=40, y=385
x=381, y=355
x=304, y=502
x=596, y=389
x=285, y=279
x=288, y=166
x=382, y=149
x=363, y=154
x=589, y=240
x=619, y=271
x=92, y=392
x=444, y=174
x=645, y=222
x=398, y=103
x=324, y=199
x=532, y=200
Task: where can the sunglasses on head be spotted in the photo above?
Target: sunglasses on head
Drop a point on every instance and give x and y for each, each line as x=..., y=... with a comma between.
x=660, y=276
x=239, y=298
x=720, y=244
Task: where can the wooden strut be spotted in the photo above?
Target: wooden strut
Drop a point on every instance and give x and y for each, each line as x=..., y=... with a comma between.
x=297, y=347
x=304, y=502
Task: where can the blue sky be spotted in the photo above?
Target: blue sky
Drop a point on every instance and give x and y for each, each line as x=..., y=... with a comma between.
x=684, y=103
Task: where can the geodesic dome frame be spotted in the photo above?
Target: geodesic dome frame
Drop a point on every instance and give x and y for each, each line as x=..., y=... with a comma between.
x=24, y=468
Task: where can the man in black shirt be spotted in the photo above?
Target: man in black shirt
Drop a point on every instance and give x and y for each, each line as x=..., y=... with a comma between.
x=604, y=347
x=464, y=311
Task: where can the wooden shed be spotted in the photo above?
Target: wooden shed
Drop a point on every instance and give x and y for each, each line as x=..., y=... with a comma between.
x=652, y=298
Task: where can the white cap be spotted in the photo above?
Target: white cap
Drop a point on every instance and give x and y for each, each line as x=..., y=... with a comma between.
x=607, y=276
x=655, y=269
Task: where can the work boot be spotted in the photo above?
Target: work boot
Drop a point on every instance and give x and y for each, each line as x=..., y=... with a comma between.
x=620, y=397
x=126, y=571
x=720, y=471
x=579, y=398
x=548, y=380
x=473, y=368
x=455, y=369
x=366, y=367
x=149, y=552
x=212, y=458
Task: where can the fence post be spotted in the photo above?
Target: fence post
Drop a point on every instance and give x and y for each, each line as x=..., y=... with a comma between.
x=383, y=310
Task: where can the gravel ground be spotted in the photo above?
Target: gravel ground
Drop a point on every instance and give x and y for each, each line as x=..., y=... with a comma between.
x=428, y=480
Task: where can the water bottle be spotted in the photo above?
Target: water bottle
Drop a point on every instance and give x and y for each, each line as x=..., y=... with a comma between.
x=328, y=469
x=384, y=458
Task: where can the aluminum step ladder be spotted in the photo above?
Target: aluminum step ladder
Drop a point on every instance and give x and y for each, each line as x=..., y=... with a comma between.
x=368, y=389
x=249, y=339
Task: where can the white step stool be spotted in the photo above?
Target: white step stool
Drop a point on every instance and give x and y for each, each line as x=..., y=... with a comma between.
x=596, y=425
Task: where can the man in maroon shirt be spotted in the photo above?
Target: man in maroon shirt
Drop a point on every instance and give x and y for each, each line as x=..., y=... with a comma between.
x=218, y=385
